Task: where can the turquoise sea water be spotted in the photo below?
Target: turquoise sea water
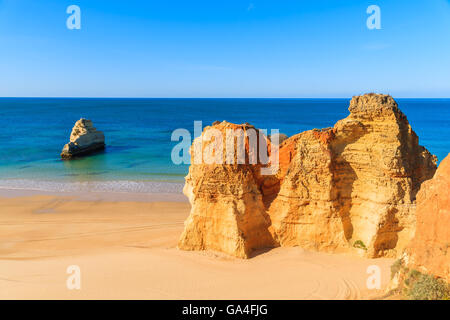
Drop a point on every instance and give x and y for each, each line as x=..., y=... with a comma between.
x=138, y=136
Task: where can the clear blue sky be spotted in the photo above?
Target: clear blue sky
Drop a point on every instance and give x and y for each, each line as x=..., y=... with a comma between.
x=224, y=48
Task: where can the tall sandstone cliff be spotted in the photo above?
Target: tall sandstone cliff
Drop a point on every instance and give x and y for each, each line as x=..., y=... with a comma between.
x=354, y=183
x=429, y=251
x=227, y=212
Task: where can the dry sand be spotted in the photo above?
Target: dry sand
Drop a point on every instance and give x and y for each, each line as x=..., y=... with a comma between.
x=127, y=250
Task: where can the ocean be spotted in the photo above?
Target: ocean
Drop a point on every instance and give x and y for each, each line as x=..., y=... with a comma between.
x=138, y=136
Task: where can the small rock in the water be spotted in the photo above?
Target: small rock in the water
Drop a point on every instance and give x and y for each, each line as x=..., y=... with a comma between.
x=84, y=140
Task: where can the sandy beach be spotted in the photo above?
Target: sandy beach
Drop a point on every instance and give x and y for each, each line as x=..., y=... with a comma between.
x=127, y=250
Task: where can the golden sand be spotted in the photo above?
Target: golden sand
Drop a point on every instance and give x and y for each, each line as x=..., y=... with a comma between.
x=127, y=250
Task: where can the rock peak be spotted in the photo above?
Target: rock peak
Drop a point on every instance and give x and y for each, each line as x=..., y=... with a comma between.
x=373, y=105
x=84, y=122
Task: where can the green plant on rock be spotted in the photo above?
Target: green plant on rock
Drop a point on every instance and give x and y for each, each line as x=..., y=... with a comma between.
x=396, y=267
x=426, y=287
x=360, y=245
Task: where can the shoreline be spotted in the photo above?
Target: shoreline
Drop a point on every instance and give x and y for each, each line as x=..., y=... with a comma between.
x=150, y=191
x=96, y=196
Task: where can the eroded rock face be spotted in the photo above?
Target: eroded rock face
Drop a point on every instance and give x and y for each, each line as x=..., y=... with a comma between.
x=228, y=212
x=354, y=183
x=84, y=140
x=305, y=211
x=429, y=251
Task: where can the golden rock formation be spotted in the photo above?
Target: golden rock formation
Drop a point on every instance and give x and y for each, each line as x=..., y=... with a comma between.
x=84, y=139
x=227, y=212
x=353, y=185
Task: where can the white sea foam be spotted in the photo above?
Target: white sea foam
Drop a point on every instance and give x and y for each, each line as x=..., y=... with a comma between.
x=93, y=186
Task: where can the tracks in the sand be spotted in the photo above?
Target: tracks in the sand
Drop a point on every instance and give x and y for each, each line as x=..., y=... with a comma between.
x=348, y=290
x=344, y=289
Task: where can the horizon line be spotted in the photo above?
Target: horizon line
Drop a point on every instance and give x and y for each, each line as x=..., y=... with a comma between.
x=105, y=97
